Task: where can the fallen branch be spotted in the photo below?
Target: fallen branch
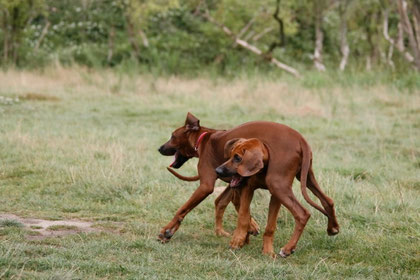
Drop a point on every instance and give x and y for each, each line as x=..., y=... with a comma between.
x=246, y=27
x=249, y=35
x=260, y=35
x=250, y=47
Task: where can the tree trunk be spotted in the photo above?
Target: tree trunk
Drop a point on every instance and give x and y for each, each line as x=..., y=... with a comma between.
x=5, y=46
x=6, y=36
x=368, y=63
x=111, y=36
x=15, y=49
x=131, y=36
x=319, y=36
x=402, y=9
x=400, y=37
x=416, y=23
x=406, y=54
x=374, y=51
x=416, y=20
x=144, y=38
x=389, y=56
x=345, y=50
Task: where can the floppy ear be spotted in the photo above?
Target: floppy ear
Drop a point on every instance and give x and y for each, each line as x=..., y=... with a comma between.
x=229, y=146
x=192, y=123
x=252, y=162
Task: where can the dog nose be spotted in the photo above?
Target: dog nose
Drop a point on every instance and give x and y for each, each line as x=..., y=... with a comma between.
x=160, y=149
x=220, y=170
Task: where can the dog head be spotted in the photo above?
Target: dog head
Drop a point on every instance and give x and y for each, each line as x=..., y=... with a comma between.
x=181, y=143
x=246, y=157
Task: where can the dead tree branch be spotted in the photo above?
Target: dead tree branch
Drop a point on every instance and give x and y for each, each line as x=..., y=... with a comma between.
x=281, y=25
x=250, y=47
x=281, y=42
x=43, y=34
x=246, y=27
x=260, y=35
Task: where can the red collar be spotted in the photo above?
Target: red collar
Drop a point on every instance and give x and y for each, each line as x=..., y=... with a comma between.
x=200, y=138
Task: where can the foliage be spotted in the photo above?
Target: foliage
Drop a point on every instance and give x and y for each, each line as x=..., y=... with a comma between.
x=171, y=36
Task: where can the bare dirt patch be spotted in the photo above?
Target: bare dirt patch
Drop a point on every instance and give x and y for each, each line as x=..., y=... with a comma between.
x=45, y=228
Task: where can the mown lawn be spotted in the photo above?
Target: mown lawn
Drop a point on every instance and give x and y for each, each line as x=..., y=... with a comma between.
x=83, y=145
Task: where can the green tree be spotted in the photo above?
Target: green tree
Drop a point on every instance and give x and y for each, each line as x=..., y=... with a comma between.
x=15, y=16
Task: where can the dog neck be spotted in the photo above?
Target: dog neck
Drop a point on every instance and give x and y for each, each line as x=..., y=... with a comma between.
x=198, y=140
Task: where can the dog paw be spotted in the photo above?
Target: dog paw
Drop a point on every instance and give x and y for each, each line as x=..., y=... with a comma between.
x=270, y=254
x=333, y=231
x=285, y=253
x=165, y=236
x=221, y=232
x=237, y=243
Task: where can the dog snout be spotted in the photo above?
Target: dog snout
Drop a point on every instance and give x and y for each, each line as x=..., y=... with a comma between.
x=167, y=151
x=161, y=149
x=220, y=171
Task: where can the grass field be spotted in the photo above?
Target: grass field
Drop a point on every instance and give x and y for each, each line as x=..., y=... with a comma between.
x=77, y=144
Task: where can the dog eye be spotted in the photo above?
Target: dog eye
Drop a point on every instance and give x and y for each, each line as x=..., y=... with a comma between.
x=237, y=158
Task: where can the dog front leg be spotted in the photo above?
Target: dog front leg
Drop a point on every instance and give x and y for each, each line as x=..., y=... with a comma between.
x=254, y=228
x=199, y=195
x=244, y=217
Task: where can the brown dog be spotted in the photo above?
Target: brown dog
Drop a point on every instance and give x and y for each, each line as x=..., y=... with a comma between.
x=247, y=163
x=290, y=156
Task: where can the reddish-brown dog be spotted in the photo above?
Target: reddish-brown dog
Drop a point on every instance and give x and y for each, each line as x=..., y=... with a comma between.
x=290, y=156
x=247, y=164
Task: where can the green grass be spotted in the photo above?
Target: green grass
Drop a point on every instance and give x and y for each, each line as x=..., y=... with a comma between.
x=62, y=227
x=10, y=223
x=81, y=144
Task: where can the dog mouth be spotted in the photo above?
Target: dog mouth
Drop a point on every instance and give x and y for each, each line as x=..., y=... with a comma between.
x=237, y=181
x=179, y=160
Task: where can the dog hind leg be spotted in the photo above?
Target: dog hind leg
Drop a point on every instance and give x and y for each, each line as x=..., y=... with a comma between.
x=327, y=203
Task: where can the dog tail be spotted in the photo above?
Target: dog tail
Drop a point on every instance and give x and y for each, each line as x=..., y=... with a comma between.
x=184, y=178
x=304, y=172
